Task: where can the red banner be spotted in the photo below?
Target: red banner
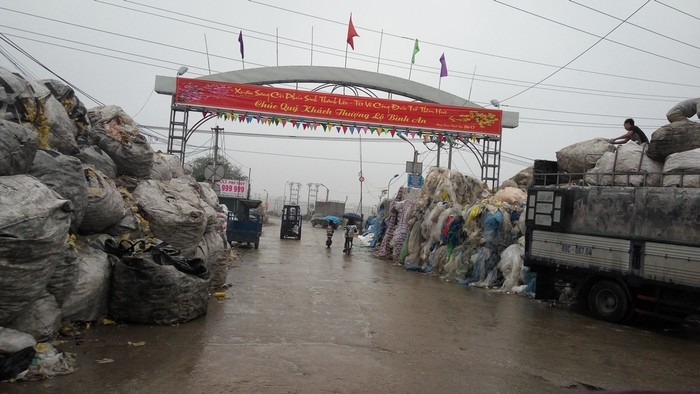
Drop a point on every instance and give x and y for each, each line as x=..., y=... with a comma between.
x=334, y=107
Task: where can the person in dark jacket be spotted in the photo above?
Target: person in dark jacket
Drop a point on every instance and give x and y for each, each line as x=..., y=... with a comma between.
x=633, y=133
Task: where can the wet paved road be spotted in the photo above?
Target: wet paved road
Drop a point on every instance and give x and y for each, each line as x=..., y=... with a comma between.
x=302, y=318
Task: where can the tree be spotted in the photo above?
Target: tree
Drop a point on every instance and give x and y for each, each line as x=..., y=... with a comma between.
x=200, y=163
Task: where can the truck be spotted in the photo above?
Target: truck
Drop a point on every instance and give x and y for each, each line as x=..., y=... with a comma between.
x=325, y=208
x=616, y=250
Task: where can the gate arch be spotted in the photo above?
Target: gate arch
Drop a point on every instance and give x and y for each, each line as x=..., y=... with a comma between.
x=488, y=152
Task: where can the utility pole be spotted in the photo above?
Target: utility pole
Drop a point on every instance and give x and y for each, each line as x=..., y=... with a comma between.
x=216, y=129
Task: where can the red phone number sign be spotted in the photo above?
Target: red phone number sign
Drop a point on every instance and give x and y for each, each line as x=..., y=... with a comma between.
x=233, y=188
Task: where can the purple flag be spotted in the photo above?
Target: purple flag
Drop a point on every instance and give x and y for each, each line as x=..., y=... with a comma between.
x=443, y=69
x=240, y=41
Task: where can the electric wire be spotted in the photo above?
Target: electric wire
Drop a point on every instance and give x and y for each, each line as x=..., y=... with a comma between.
x=597, y=36
x=577, y=56
x=635, y=25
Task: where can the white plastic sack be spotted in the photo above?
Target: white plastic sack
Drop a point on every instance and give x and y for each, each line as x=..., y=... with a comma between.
x=688, y=161
x=629, y=158
x=511, y=195
x=582, y=156
x=511, y=265
x=12, y=341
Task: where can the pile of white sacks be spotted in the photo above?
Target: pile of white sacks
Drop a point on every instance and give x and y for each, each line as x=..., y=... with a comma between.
x=456, y=228
x=72, y=180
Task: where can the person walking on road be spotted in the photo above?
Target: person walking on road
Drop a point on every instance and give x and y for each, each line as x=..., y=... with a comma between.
x=350, y=233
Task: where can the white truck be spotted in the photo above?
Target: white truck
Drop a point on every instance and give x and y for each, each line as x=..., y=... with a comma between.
x=619, y=250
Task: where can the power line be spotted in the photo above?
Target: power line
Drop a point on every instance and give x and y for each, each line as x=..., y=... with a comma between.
x=468, y=75
x=577, y=56
x=676, y=9
x=35, y=60
x=635, y=25
x=597, y=36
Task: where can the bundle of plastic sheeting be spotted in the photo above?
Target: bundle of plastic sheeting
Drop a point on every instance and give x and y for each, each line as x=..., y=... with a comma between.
x=628, y=159
x=153, y=283
x=35, y=222
x=89, y=297
x=511, y=195
x=511, y=266
x=117, y=134
x=72, y=105
x=96, y=157
x=105, y=207
x=483, y=264
x=41, y=317
x=688, y=161
x=47, y=363
x=174, y=210
x=64, y=175
x=384, y=250
x=401, y=228
x=166, y=167
x=18, y=146
x=415, y=240
x=674, y=138
x=210, y=205
x=214, y=251
x=62, y=129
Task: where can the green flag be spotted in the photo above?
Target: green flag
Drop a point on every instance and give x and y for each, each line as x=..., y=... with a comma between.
x=416, y=49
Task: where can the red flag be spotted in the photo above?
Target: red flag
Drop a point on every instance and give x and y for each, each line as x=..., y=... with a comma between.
x=240, y=41
x=351, y=33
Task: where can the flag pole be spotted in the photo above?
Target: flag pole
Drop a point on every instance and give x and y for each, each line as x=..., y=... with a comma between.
x=206, y=47
x=312, y=45
x=471, y=84
x=416, y=49
x=346, y=55
x=379, y=56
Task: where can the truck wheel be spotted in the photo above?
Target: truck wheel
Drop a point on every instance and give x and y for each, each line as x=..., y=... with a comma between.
x=257, y=243
x=281, y=234
x=608, y=301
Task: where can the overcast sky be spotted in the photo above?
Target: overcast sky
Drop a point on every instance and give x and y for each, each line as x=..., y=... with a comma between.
x=574, y=70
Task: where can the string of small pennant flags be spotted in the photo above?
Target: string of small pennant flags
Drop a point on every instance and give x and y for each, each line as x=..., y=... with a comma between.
x=338, y=127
